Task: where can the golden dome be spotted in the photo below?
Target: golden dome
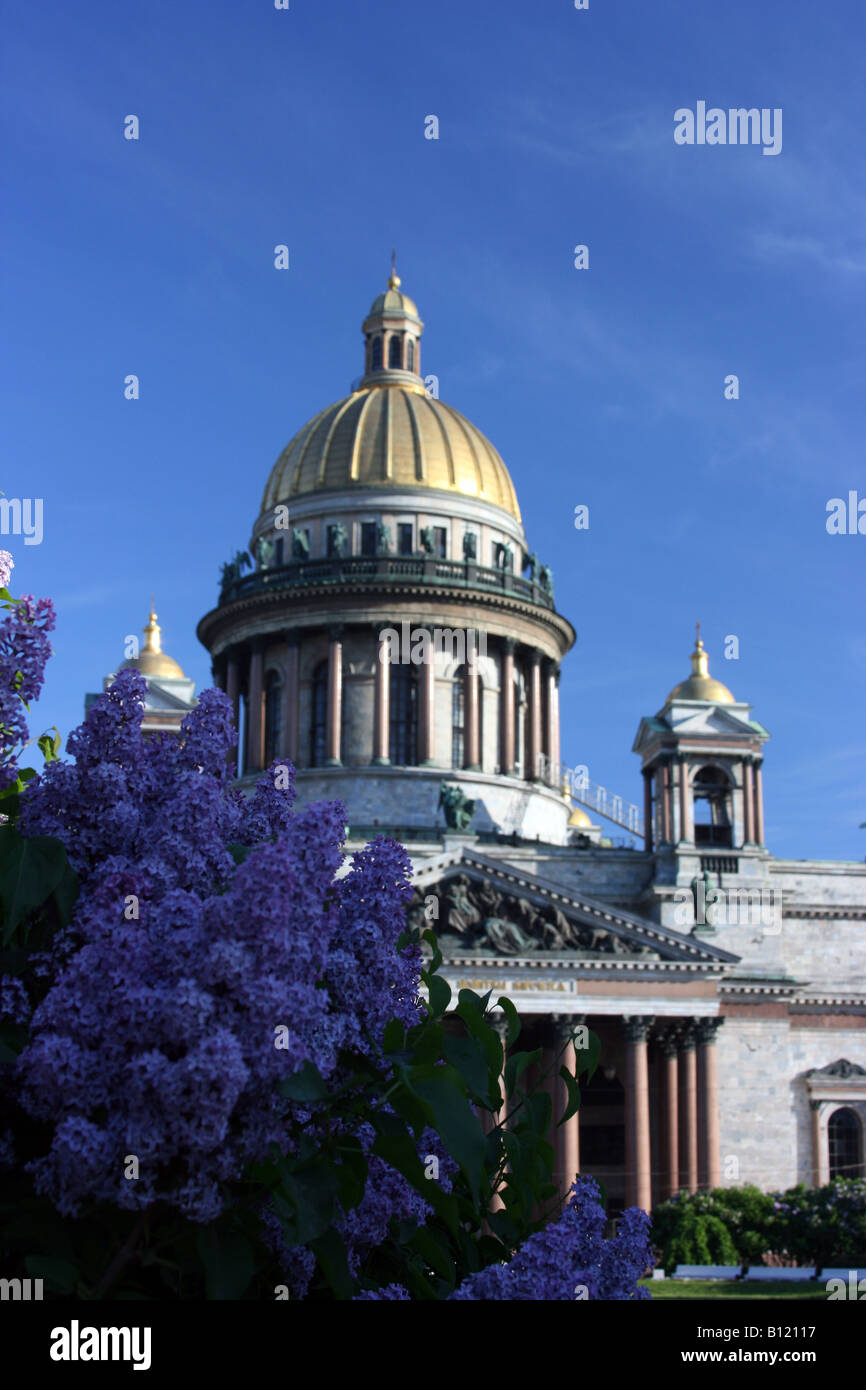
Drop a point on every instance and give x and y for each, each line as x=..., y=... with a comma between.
x=579, y=820
x=700, y=684
x=391, y=435
x=152, y=660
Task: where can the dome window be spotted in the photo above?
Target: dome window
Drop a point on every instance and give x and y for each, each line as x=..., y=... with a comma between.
x=273, y=713
x=395, y=351
x=403, y=720
x=376, y=355
x=410, y=355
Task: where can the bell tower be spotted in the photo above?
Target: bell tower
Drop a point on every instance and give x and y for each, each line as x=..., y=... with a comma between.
x=701, y=759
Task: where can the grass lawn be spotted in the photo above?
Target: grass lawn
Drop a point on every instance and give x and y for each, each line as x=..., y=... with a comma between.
x=732, y=1288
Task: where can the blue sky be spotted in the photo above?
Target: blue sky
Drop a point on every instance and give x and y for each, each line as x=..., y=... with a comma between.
x=602, y=387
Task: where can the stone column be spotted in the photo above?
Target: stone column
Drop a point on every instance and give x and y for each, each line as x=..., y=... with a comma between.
x=639, y=1178
x=334, y=716
x=471, y=749
x=748, y=803
x=709, y=1164
x=647, y=810
x=256, y=711
x=671, y=1176
x=382, y=700
x=685, y=810
x=566, y=1136
x=555, y=751
x=667, y=808
x=233, y=692
x=550, y=730
x=291, y=728
x=531, y=772
x=819, y=1175
x=688, y=1079
x=506, y=705
x=427, y=711
x=759, y=805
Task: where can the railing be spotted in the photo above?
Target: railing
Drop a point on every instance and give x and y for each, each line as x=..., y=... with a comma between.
x=588, y=793
x=386, y=569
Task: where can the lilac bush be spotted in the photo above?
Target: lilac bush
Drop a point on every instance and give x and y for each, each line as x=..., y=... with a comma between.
x=24, y=652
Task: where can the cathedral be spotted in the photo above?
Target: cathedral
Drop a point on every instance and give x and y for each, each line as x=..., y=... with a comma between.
x=726, y=985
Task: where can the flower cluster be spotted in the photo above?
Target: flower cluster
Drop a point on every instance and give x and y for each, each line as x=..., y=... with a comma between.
x=571, y=1259
x=195, y=986
x=24, y=651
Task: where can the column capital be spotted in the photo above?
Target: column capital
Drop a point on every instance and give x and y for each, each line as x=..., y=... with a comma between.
x=685, y=1035
x=291, y=637
x=668, y=1042
x=257, y=645
x=509, y=645
x=563, y=1026
x=499, y=1024
x=335, y=631
x=706, y=1030
x=637, y=1027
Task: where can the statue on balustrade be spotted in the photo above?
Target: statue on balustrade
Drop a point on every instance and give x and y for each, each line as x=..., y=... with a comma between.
x=545, y=579
x=265, y=553
x=470, y=545
x=427, y=539
x=383, y=539
x=231, y=572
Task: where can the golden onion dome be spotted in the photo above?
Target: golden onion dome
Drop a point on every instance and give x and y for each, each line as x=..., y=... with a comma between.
x=389, y=433
x=391, y=436
x=152, y=660
x=700, y=684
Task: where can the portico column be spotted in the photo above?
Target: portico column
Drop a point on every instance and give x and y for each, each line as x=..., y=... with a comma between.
x=688, y=1078
x=671, y=1180
x=639, y=1179
x=334, y=715
x=556, y=779
x=748, y=802
x=382, y=700
x=667, y=809
x=566, y=1136
x=427, y=721
x=256, y=730
x=551, y=739
x=233, y=692
x=293, y=687
x=759, y=805
x=534, y=714
x=472, y=755
x=709, y=1170
x=506, y=701
x=647, y=810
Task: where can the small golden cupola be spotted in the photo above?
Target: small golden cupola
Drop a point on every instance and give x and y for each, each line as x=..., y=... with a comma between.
x=700, y=685
x=392, y=338
x=152, y=660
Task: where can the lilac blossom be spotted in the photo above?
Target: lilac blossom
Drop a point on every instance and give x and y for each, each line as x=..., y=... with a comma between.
x=7, y=565
x=24, y=651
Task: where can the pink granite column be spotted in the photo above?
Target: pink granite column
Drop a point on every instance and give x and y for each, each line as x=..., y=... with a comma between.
x=567, y=1136
x=472, y=752
x=506, y=704
x=671, y=1178
x=759, y=805
x=709, y=1163
x=532, y=772
x=291, y=734
x=685, y=809
x=688, y=1078
x=334, y=716
x=233, y=692
x=667, y=808
x=256, y=711
x=382, y=700
x=427, y=712
x=639, y=1178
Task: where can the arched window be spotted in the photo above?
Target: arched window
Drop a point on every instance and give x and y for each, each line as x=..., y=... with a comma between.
x=273, y=716
x=712, y=801
x=410, y=355
x=403, y=716
x=376, y=355
x=395, y=351
x=843, y=1134
x=319, y=715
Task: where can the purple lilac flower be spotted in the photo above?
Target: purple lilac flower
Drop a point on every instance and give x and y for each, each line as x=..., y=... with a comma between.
x=571, y=1255
x=7, y=565
x=24, y=651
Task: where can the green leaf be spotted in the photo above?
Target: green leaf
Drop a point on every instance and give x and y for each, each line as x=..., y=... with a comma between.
x=30, y=870
x=440, y=995
x=512, y=1018
x=516, y=1066
x=393, y=1036
x=228, y=1260
x=471, y=1009
x=65, y=896
x=453, y=1119
x=305, y=1084
x=467, y=1055
x=330, y=1251
x=573, y=1095
x=587, y=1059
x=311, y=1193
x=238, y=851
x=433, y=1247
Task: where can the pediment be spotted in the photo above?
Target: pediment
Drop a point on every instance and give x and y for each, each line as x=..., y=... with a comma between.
x=484, y=906
x=708, y=719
